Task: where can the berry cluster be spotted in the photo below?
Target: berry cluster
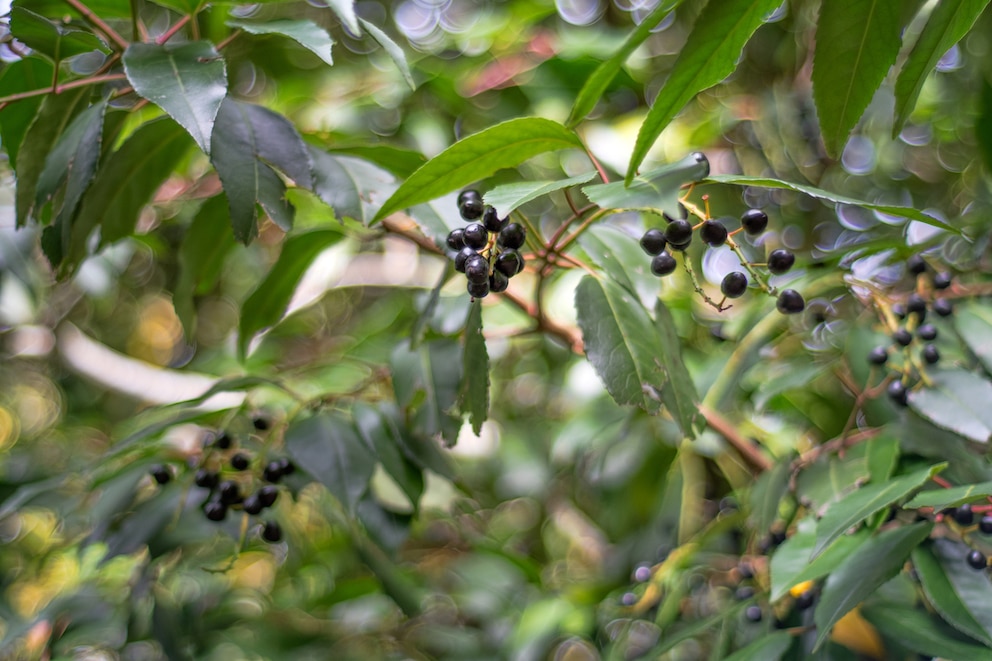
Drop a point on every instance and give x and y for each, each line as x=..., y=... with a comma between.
x=964, y=516
x=486, y=250
x=677, y=237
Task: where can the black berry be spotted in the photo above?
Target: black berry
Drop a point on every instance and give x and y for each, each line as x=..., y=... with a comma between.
x=230, y=493
x=790, y=302
x=743, y=593
x=492, y=221
x=272, y=472
x=477, y=268
x=780, y=261
x=498, y=282
x=942, y=280
x=927, y=332
x=478, y=289
x=252, y=504
x=206, y=479
x=713, y=233
x=734, y=284
x=663, y=264
x=964, y=515
x=878, y=356
x=224, y=441
x=260, y=422
x=701, y=159
x=754, y=221
x=902, y=337
x=512, y=236
x=471, y=208
x=985, y=524
x=468, y=194
x=286, y=466
x=897, y=393
x=679, y=233
x=476, y=236
x=240, y=461
x=509, y=263
x=745, y=570
x=462, y=257
x=753, y=613
x=943, y=307
x=977, y=560
x=916, y=305
x=215, y=511
x=805, y=600
x=271, y=532
x=267, y=495
x=456, y=239
x=653, y=241
x=161, y=474
x=899, y=310
x=916, y=265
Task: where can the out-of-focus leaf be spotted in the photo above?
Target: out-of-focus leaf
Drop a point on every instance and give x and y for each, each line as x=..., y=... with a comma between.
x=383, y=438
x=656, y=190
x=914, y=629
x=478, y=156
x=882, y=457
x=679, y=394
x=397, y=161
x=181, y=6
x=766, y=495
x=304, y=32
x=350, y=186
x=790, y=565
x=392, y=49
x=961, y=596
x=859, y=505
x=710, y=54
x=201, y=258
x=766, y=182
x=186, y=80
x=941, y=498
x=957, y=401
x=765, y=648
x=267, y=304
x=330, y=450
x=983, y=125
x=345, y=11
x=622, y=258
x=877, y=561
x=856, y=43
x=508, y=197
x=53, y=39
x=973, y=323
x=475, y=392
x=388, y=529
x=426, y=381
x=146, y=521
x=831, y=478
x=947, y=24
x=29, y=73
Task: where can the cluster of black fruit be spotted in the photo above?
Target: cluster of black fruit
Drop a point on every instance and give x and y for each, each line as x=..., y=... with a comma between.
x=677, y=236
x=913, y=314
x=486, y=250
x=964, y=516
x=225, y=489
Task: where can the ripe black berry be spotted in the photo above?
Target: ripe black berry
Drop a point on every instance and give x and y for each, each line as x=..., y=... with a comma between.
x=678, y=233
x=653, y=241
x=267, y=495
x=478, y=289
x=743, y=593
x=878, y=356
x=224, y=441
x=916, y=305
x=476, y=236
x=780, y=261
x=215, y=511
x=977, y=560
x=899, y=310
x=916, y=265
x=260, y=422
x=734, y=284
x=897, y=393
x=468, y=194
x=942, y=280
x=701, y=159
x=230, y=493
x=240, y=461
x=927, y=332
x=462, y=257
x=964, y=515
x=509, y=263
x=286, y=466
x=492, y=221
x=271, y=532
x=161, y=474
x=805, y=600
x=205, y=478
x=902, y=337
x=498, y=282
x=713, y=233
x=512, y=236
x=272, y=472
x=471, y=208
x=985, y=524
x=477, y=268
x=754, y=221
x=456, y=239
x=790, y=302
x=253, y=504
x=943, y=307
x=663, y=264
x=753, y=613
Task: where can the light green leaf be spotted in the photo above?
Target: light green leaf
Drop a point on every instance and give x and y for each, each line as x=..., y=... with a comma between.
x=399, y=162
x=267, y=304
x=304, y=32
x=942, y=498
x=478, y=156
x=862, y=573
x=767, y=494
x=55, y=40
x=831, y=478
x=957, y=401
x=508, y=197
x=765, y=648
x=679, y=394
x=201, y=259
x=710, y=54
x=947, y=24
x=882, y=457
x=766, y=182
x=947, y=581
x=859, y=505
x=921, y=633
x=380, y=436
x=856, y=43
x=29, y=73
x=351, y=186
x=973, y=322
x=655, y=191
x=622, y=258
x=392, y=49
x=790, y=565
x=475, y=391
x=345, y=11
x=983, y=125
x=186, y=80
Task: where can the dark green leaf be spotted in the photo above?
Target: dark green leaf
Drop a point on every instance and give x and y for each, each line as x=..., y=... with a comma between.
x=765, y=648
x=186, y=80
x=957, y=401
x=622, y=258
x=345, y=11
x=475, y=392
x=983, y=125
x=766, y=182
x=856, y=43
x=381, y=436
x=595, y=86
x=304, y=32
x=859, y=505
x=621, y=342
x=146, y=521
x=862, y=573
x=478, y=156
x=350, y=186
x=267, y=304
x=883, y=455
x=426, y=381
x=329, y=449
x=392, y=49
x=973, y=322
x=710, y=54
x=790, y=565
x=947, y=24
x=679, y=394
x=55, y=40
x=181, y=6
x=831, y=478
x=388, y=529
x=30, y=73
x=655, y=191
x=201, y=259
x=915, y=629
x=508, y=197
x=767, y=494
x=941, y=498
x=947, y=581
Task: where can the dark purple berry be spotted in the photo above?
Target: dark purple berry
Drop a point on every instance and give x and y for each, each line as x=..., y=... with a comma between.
x=215, y=511
x=161, y=474
x=267, y=495
x=471, y=208
x=462, y=257
x=942, y=280
x=927, y=332
x=916, y=264
x=498, y=282
x=897, y=393
x=943, y=307
x=653, y=241
x=252, y=504
x=286, y=466
x=642, y=573
x=492, y=221
x=734, y=284
x=745, y=569
x=977, y=560
x=930, y=354
x=240, y=461
x=916, y=305
x=476, y=236
x=805, y=600
x=663, y=264
x=790, y=302
x=713, y=233
x=985, y=524
x=902, y=337
x=456, y=239
x=899, y=310
x=512, y=236
x=260, y=423
x=780, y=261
x=964, y=515
x=477, y=268
x=478, y=289
x=743, y=593
x=230, y=493
x=272, y=472
x=206, y=479
x=628, y=599
x=753, y=613
x=224, y=441
x=271, y=532
x=678, y=233
x=509, y=263
x=754, y=221
x=878, y=356
x=468, y=194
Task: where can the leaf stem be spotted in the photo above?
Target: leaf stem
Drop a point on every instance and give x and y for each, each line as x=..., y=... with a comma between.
x=176, y=27
x=88, y=14
x=82, y=82
x=234, y=35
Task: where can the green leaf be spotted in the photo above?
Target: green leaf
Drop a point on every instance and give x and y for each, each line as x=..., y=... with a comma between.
x=883, y=455
x=595, y=86
x=24, y=75
x=862, y=573
x=710, y=54
x=655, y=191
x=475, y=392
x=304, y=32
x=766, y=182
x=201, y=259
x=621, y=342
x=790, y=565
x=383, y=439
x=765, y=648
x=947, y=24
x=942, y=498
x=679, y=394
x=983, y=125
x=186, y=80
x=478, y=156
x=400, y=162
x=856, y=43
x=921, y=633
x=508, y=197
x=345, y=11
x=267, y=304
x=55, y=40
x=831, y=478
x=350, y=186
x=426, y=381
x=388, y=529
x=392, y=49
x=859, y=505
x=961, y=596
x=957, y=401
x=622, y=258
x=767, y=494
x=330, y=450
x=973, y=323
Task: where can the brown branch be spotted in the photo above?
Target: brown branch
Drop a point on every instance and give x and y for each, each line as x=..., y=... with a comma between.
x=168, y=34
x=82, y=82
x=88, y=14
x=722, y=426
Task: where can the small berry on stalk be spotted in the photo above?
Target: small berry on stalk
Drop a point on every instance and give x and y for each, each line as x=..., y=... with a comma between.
x=943, y=307
x=878, y=356
x=240, y=461
x=286, y=466
x=902, y=337
x=964, y=515
x=509, y=263
x=215, y=511
x=916, y=264
x=713, y=233
x=678, y=232
x=468, y=194
x=492, y=221
x=271, y=532
x=754, y=221
x=498, y=282
x=985, y=524
x=790, y=302
x=272, y=472
x=477, y=268
x=780, y=261
x=230, y=493
x=476, y=236
x=478, y=289
x=931, y=355
x=161, y=474
x=471, y=208
x=753, y=613
x=734, y=284
x=916, y=305
x=977, y=560
x=927, y=332
x=462, y=257
x=252, y=504
x=206, y=478
x=897, y=393
x=942, y=280
x=456, y=239
x=663, y=264
x=267, y=495
x=512, y=236
x=260, y=423
x=653, y=241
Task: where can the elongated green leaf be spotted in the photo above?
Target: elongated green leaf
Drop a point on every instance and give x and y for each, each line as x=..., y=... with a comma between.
x=478, y=156
x=679, y=394
x=856, y=43
x=877, y=561
x=392, y=49
x=657, y=190
x=508, y=197
x=790, y=565
x=304, y=32
x=973, y=323
x=710, y=54
x=941, y=498
x=831, y=478
x=859, y=505
x=622, y=258
x=983, y=125
x=766, y=182
x=29, y=73
x=55, y=40
x=186, y=80
x=767, y=494
x=596, y=84
x=882, y=457
x=426, y=381
x=936, y=566
x=621, y=343
x=330, y=450
x=345, y=11
x=921, y=633
x=475, y=392
x=201, y=259
x=267, y=304
x=378, y=433
x=765, y=648
x=400, y=162
x=947, y=24
x=354, y=188
x=957, y=401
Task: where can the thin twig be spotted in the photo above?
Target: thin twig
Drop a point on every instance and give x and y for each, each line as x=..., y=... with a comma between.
x=82, y=82
x=177, y=26
x=88, y=14
x=722, y=426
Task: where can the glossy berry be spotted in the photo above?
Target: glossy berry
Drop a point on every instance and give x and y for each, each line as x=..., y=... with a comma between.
x=902, y=337
x=267, y=495
x=476, y=236
x=215, y=511
x=790, y=302
x=943, y=307
x=930, y=354
x=509, y=263
x=701, y=159
x=223, y=442
x=663, y=264
x=780, y=261
x=468, y=194
x=240, y=461
x=230, y=493
x=478, y=289
x=897, y=393
x=260, y=423
x=286, y=466
x=916, y=305
x=492, y=221
x=753, y=613
x=977, y=560
x=206, y=478
x=805, y=600
x=678, y=233
x=653, y=241
x=734, y=284
x=512, y=236
x=471, y=208
x=878, y=356
x=927, y=332
x=713, y=233
x=916, y=265
x=498, y=282
x=252, y=504
x=456, y=239
x=942, y=280
x=477, y=268
x=272, y=472
x=964, y=515
x=161, y=474
x=985, y=524
x=462, y=257
x=271, y=532
x=754, y=221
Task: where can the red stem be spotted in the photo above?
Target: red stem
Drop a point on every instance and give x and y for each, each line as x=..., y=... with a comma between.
x=98, y=22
